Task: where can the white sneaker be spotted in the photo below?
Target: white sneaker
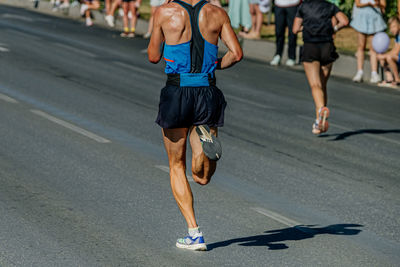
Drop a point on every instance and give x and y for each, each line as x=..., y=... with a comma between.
x=64, y=5
x=89, y=22
x=120, y=12
x=83, y=9
x=276, y=60
x=110, y=20
x=358, y=78
x=147, y=35
x=375, y=78
x=290, y=62
x=74, y=4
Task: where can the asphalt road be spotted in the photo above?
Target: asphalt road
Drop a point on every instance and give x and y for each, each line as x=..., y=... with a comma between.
x=83, y=171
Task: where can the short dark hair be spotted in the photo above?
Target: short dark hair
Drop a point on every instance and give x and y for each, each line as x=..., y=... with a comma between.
x=394, y=19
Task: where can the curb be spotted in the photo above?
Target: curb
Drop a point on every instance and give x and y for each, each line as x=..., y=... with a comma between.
x=262, y=51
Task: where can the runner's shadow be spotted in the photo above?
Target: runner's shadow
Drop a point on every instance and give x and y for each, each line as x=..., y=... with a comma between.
x=344, y=135
x=274, y=239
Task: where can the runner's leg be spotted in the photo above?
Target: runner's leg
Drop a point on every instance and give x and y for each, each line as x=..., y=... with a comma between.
x=325, y=72
x=202, y=167
x=312, y=70
x=175, y=145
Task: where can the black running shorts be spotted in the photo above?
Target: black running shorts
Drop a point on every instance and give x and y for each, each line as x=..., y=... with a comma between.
x=183, y=107
x=325, y=53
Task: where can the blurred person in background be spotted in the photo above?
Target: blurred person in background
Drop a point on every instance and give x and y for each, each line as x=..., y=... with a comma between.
x=314, y=18
x=86, y=7
x=239, y=14
x=111, y=11
x=154, y=5
x=390, y=60
x=367, y=20
x=129, y=6
x=256, y=20
x=285, y=12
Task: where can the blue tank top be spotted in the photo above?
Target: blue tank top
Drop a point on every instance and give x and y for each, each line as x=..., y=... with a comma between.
x=194, y=56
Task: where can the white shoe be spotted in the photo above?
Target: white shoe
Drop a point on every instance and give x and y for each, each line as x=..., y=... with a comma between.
x=358, y=78
x=83, y=9
x=110, y=20
x=147, y=35
x=74, y=4
x=64, y=5
x=120, y=12
x=89, y=22
x=375, y=78
x=290, y=62
x=276, y=60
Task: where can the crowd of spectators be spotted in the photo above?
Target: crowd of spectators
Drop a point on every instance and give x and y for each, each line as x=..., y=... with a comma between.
x=247, y=17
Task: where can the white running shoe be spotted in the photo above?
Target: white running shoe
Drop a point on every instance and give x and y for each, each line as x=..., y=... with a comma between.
x=89, y=22
x=195, y=242
x=83, y=9
x=375, y=78
x=290, y=62
x=110, y=20
x=64, y=5
x=358, y=78
x=276, y=60
x=120, y=12
x=147, y=35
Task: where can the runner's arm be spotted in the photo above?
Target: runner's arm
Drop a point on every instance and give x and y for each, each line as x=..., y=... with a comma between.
x=157, y=37
x=342, y=19
x=228, y=36
x=297, y=25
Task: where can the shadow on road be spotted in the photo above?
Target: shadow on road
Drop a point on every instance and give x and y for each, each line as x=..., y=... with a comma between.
x=274, y=239
x=344, y=135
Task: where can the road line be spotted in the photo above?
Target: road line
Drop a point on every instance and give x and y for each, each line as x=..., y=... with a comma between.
x=25, y=35
x=76, y=50
x=276, y=217
x=3, y=49
x=70, y=126
x=166, y=169
x=14, y=16
x=382, y=138
x=245, y=101
x=8, y=99
x=138, y=69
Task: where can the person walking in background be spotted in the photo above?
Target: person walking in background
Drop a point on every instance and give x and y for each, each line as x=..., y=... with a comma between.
x=154, y=5
x=129, y=6
x=314, y=18
x=86, y=7
x=256, y=21
x=367, y=20
x=285, y=12
x=239, y=13
x=391, y=59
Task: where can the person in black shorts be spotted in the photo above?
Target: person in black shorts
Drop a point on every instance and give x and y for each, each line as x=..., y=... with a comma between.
x=316, y=18
x=129, y=6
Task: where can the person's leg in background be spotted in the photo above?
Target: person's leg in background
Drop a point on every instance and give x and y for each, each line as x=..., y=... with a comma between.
x=280, y=26
x=125, y=7
x=362, y=40
x=374, y=62
x=133, y=19
x=291, y=14
x=110, y=15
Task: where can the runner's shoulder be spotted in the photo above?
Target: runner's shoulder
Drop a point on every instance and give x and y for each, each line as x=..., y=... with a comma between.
x=215, y=13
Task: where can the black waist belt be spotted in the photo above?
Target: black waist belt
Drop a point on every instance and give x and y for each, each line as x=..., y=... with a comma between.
x=191, y=79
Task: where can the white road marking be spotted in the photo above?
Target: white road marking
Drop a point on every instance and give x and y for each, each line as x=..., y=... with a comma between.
x=3, y=49
x=276, y=217
x=138, y=69
x=249, y=102
x=166, y=169
x=25, y=35
x=352, y=130
x=14, y=16
x=76, y=50
x=70, y=126
x=8, y=99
